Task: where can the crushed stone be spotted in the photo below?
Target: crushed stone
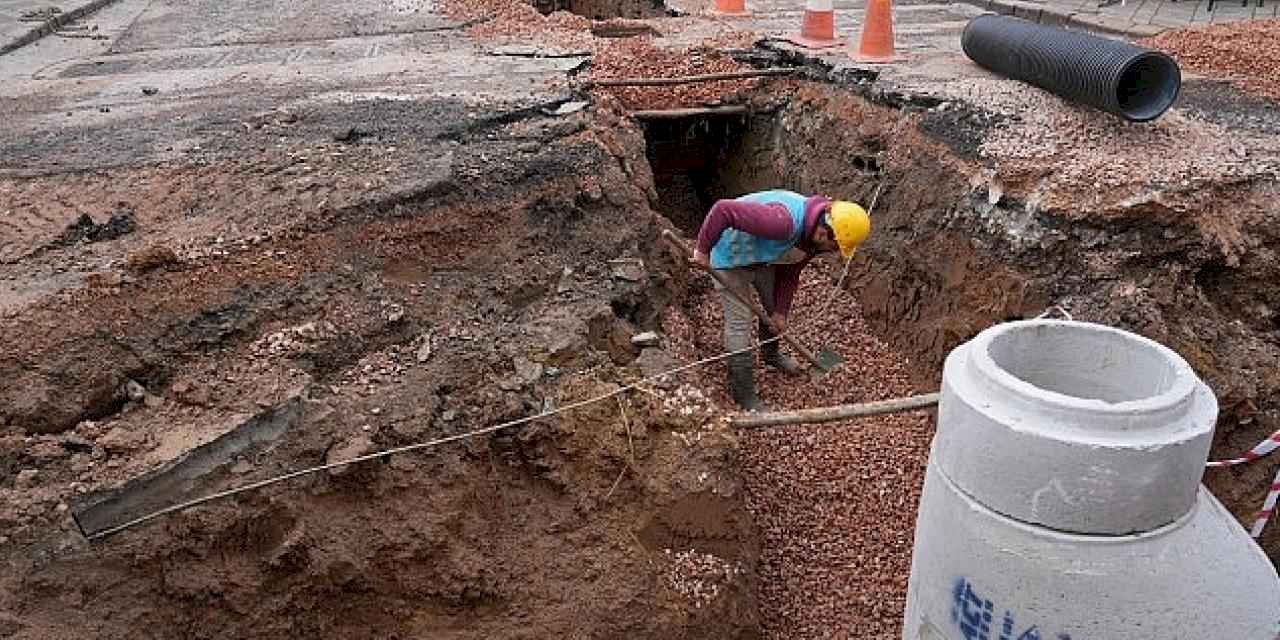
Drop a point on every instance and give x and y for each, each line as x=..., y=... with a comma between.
x=835, y=503
x=1246, y=53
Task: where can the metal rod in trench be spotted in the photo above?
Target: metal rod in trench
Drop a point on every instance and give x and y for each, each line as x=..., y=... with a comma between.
x=839, y=412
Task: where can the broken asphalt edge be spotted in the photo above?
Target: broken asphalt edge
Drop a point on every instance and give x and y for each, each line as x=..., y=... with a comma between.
x=53, y=24
x=1056, y=17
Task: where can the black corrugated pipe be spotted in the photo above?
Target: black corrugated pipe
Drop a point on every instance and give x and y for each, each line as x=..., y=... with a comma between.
x=1134, y=83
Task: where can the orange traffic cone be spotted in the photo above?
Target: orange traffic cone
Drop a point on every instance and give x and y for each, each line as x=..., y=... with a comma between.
x=877, y=33
x=731, y=7
x=818, y=29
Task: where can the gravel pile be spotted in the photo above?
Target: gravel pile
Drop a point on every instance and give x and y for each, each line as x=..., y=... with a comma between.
x=700, y=577
x=518, y=21
x=1247, y=53
x=835, y=503
x=638, y=57
x=1085, y=158
x=293, y=340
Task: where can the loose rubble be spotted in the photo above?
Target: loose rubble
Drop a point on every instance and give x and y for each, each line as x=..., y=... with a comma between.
x=563, y=32
x=1068, y=150
x=26, y=479
x=518, y=21
x=686, y=400
x=1247, y=53
x=293, y=340
x=639, y=57
x=700, y=577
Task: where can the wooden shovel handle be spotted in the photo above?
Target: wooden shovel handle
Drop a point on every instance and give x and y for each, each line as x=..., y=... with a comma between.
x=747, y=302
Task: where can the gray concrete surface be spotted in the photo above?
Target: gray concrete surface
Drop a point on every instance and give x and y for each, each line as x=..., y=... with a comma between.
x=926, y=34
x=210, y=23
x=1076, y=427
x=389, y=111
x=23, y=22
x=1133, y=18
x=172, y=80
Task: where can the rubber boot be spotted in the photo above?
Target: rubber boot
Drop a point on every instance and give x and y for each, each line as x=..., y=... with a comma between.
x=742, y=384
x=773, y=355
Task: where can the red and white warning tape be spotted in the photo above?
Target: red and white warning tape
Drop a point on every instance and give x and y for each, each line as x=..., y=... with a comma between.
x=1268, y=508
x=1263, y=448
x=1269, y=505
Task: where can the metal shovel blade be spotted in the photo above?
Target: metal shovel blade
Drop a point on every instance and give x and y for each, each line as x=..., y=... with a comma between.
x=828, y=360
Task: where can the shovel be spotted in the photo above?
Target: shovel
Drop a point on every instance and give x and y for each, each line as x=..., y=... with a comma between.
x=824, y=361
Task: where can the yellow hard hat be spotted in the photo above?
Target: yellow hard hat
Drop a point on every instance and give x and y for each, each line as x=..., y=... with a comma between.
x=851, y=225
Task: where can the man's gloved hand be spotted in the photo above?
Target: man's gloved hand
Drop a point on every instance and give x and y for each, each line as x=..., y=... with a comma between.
x=701, y=260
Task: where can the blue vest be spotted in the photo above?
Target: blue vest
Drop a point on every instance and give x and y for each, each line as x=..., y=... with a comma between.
x=739, y=248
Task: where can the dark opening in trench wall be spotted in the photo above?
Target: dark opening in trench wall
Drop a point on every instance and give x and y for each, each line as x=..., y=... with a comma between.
x=701, y=159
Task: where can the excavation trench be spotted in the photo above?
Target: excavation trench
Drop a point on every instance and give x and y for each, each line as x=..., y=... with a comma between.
x=642, y=516
x=955, y=250
x=834, y=534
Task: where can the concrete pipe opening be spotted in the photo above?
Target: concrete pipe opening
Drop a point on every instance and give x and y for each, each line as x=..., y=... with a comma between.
x=1148, y=86
x=1084, y=362
x=1074, y=426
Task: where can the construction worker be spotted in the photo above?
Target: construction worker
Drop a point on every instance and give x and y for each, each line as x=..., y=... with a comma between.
x=763, y=241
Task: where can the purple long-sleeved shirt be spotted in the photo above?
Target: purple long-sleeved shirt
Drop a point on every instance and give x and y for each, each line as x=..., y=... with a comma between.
x=771, y=221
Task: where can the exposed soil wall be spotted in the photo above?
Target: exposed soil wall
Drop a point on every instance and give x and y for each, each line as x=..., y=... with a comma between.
x=489, y=293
